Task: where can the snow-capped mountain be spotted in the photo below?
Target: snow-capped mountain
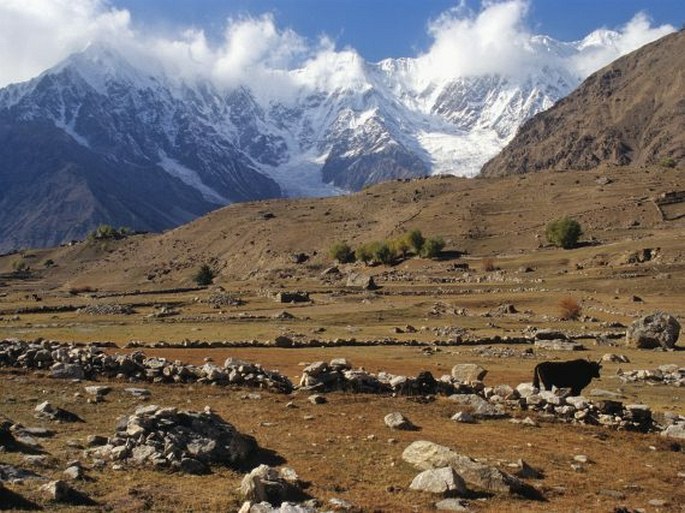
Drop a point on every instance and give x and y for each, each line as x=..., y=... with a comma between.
x=134, y=145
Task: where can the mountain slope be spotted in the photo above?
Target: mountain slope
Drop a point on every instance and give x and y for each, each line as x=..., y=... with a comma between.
x=632, y=112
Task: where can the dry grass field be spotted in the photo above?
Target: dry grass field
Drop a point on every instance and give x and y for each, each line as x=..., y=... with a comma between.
x=495, y=255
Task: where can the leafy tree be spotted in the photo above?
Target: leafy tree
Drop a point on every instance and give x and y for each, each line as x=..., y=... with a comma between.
x=364, y=253
x=204, y=276
x=342, y=252
x=400, y=246
x=383, y=254
x=563, y=232
x=415, y=240
x=106, y=232
x=432, y=247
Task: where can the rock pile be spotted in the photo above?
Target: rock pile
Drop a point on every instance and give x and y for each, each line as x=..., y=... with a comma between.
x=670, y=374
x=90, y=362
x=576, y=409
x=656, y=330
x=219, y=299
x=338, y=375
x=186, y=441
x=107, y=309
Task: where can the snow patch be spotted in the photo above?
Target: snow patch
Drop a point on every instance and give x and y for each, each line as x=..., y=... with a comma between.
x=190, y=178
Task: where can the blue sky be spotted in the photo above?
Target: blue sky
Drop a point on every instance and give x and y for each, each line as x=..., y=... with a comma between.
x=238, y=41
x=390, y=28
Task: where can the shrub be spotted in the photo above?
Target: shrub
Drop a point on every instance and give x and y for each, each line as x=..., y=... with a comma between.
x=20, y=266
x=668, y=162
x=382, y=253
x=569, y=309
x=400, y=246
x=342, y=252
x=563, y=232
x=204, y=276
x=364, y=253
x=49, y=263
x=432, y=247
x=415, y=240
x=106, y=232
x=489, y=265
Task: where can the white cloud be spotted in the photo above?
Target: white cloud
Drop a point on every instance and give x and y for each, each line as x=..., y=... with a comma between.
x=274, y=62
x=494, y=40
x=602, y=47
x=37, y=34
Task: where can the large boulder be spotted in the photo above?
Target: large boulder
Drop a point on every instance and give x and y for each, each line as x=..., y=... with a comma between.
x=425, y=455
x=656, y=330
x=444, y=481
x=272, y=485
x=361, y=281
x=468, y=372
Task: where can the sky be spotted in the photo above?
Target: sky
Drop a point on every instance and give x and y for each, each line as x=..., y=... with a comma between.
x=267, y=41
x=379, y=29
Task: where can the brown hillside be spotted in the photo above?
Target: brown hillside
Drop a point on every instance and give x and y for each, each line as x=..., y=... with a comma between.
x=256, y=241
x=632, y=112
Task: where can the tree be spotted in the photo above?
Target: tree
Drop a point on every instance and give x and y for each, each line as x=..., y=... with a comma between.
x=432, y=247
x=383, y=254
x=400, y=246
x=204, y=276
x=563, y=232
x=342, y=252
x=364, y=253
x=415, y=240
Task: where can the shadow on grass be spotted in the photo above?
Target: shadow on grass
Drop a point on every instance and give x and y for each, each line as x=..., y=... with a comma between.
x=262, y=456
x=13, y=501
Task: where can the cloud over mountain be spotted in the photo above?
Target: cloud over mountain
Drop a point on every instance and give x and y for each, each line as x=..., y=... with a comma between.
x=255, y=51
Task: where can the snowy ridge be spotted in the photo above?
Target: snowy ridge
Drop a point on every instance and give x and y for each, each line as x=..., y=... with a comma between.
x=361, y=123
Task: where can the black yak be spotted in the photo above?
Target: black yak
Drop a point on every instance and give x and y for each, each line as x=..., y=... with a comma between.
x=573, y=374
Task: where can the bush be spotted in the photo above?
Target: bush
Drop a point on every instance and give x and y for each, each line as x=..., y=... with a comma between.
x=563, y=232
x=489, y=265
x=432, y=247
x=20, y=266
x=364, y=253
x=668, y=162
x=49, y=263
x=415, y=240
x=106, y=232
x=400, y=246
x=204, y=276
x=382, y=253
x=342, y=252
x=569, y=309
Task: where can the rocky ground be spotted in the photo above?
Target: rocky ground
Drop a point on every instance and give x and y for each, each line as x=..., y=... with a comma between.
x=293, y=379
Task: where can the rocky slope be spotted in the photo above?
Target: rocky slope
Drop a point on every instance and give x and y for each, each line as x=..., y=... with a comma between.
x=632, y=112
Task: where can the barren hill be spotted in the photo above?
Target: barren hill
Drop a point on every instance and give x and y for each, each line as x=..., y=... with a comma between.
x=257, y=241
x=632, y=112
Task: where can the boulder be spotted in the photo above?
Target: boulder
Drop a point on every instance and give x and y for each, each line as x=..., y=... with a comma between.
x=425, y=455
x=480, y=408
x=67, y=371
x=451, y=505
x=675, y=431
x=396, y=420
x=272, y=485
x=656, y=330
x=444, y=481
x=468, y=372
x=361, y=281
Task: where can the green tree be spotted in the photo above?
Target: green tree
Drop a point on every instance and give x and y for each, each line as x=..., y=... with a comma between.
x=364, y=253
x=342, y=252
x=415, y=240
x=204, y=276
x=400, y=246
x=383, y=254
x=432, y=247
x=563, y=232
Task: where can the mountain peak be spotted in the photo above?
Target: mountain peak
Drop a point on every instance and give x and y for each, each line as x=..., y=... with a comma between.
x=627, y=113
